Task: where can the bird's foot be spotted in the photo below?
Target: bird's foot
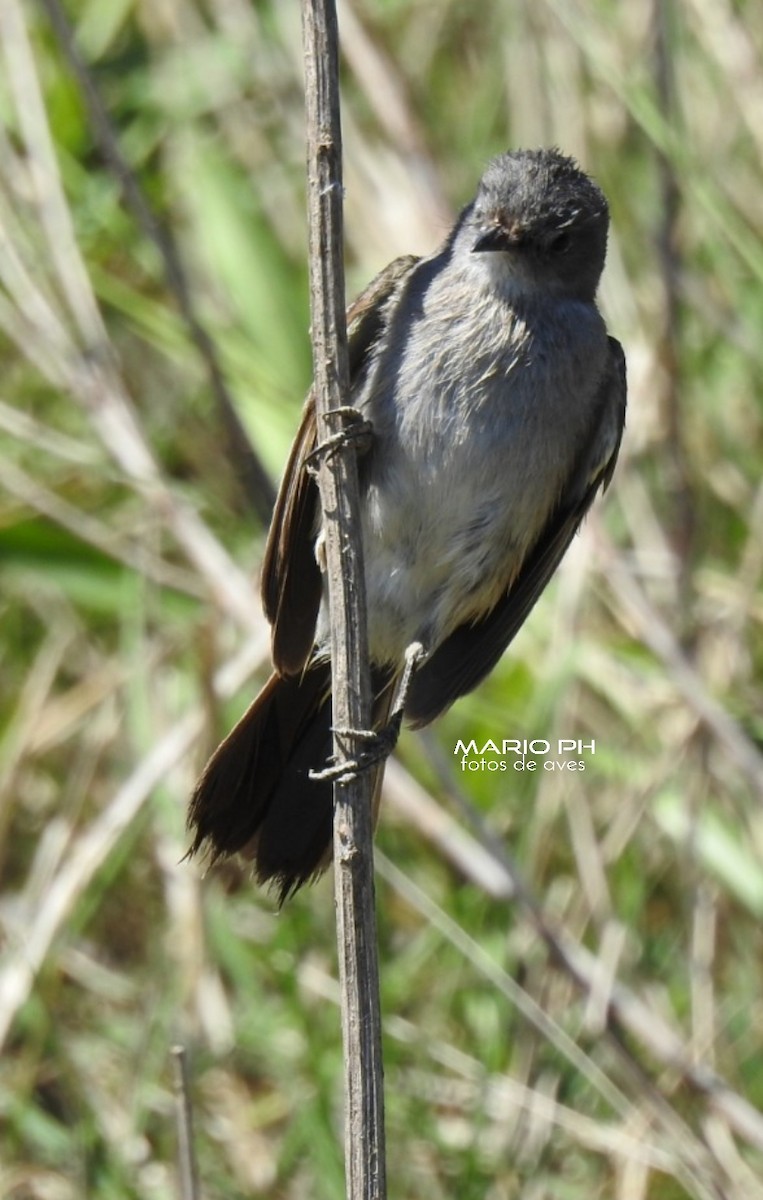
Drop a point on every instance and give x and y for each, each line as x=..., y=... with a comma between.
x=380, y=742
x=357, y=429
x=379, y=745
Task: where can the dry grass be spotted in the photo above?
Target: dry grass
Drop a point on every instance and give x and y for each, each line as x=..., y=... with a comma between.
x=571, y=964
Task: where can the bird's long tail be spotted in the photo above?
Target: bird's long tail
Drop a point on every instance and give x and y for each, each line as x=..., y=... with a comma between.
x=255, y=795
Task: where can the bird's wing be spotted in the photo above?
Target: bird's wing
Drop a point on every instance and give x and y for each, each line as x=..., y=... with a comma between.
x=471, y=651
x=291, y=577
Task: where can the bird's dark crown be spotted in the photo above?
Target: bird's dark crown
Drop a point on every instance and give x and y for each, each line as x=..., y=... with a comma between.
x=539, y=204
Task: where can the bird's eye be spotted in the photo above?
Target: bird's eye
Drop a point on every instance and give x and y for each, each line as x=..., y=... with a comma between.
x=560, y=242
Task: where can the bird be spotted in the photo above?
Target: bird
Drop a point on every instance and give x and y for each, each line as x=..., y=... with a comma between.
x=495, y=400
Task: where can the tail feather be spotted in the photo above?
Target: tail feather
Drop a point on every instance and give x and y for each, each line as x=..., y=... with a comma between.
x=256, y=796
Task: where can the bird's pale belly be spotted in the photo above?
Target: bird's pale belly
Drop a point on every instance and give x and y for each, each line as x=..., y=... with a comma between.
x=441, y=556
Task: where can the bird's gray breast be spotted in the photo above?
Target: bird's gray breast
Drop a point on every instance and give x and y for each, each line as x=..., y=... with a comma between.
x=478, y=416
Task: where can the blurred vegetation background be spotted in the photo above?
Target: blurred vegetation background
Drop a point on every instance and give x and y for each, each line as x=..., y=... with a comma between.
x=588, y=1023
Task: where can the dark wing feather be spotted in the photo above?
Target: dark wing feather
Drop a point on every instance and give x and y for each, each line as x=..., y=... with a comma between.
x=471, y=651
x=291, y=578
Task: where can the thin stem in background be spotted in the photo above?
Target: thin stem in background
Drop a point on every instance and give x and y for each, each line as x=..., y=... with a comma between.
x=682, y=518
x=187, y=1168
x=248, y=468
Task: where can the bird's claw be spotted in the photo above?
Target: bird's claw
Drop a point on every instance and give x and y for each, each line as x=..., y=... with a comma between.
x=357, y=430
x=381, y=743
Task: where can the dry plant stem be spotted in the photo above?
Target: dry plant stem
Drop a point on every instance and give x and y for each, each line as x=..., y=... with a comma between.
x=187, y=1170
x=669, y=337
x=353, y=834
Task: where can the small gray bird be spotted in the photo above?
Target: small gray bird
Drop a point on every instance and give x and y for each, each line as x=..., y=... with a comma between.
x=497, y=405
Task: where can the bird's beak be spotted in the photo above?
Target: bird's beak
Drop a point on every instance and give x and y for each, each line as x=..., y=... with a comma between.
x=497, y=237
